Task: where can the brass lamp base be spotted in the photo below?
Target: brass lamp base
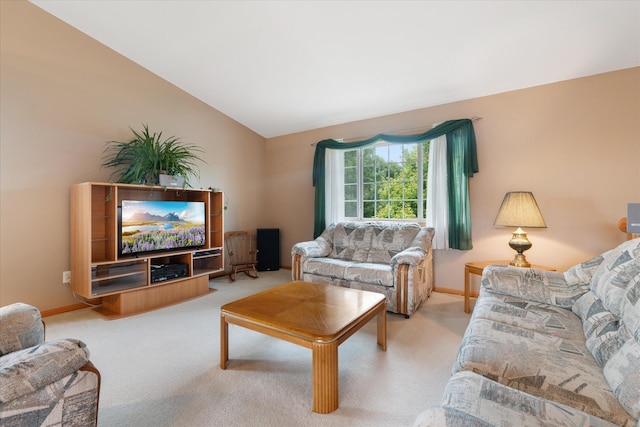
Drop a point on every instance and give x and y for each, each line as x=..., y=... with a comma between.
x=520, y=243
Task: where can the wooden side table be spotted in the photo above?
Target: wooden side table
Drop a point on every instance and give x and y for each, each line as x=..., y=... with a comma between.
x=477, y=267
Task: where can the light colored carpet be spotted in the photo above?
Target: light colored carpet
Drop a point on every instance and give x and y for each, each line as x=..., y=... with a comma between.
x=162, y=368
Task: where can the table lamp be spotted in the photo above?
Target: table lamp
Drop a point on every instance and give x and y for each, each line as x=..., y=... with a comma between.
x=519, y=209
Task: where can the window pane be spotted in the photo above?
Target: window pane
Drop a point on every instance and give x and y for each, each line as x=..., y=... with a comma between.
x=350, y=175
x=382, y=173
x=395, y=153
x=396, y=210
x=383, y=210
x=369, y=209
x=368, y=174
x=368, y=191
x=351, y=209
x=395, y=170
x=382, y=152
x=368, y=157
x=410, y=190
x=411, y=209
x=382, y=192
x=350, y=158
x=351, y=192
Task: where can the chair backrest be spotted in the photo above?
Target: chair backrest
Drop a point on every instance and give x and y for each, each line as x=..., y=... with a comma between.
x=240, y=247
x=21, y=327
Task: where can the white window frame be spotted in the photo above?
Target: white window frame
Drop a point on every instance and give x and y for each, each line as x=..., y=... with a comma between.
x=360, y=183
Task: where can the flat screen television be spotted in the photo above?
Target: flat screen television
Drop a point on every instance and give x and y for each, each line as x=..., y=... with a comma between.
x=161, y=225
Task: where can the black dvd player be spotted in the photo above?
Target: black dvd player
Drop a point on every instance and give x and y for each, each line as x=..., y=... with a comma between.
x=160, y=273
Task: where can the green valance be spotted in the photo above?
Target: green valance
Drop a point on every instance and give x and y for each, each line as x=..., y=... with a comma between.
x=461, y=160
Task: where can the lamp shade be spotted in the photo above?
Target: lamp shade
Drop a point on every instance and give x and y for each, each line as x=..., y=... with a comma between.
x=519, y=209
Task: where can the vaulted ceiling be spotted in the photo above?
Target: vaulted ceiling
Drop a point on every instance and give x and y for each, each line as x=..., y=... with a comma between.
x=280, y=67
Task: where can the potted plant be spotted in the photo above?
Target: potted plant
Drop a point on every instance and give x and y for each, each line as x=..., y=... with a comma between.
x=143, y=159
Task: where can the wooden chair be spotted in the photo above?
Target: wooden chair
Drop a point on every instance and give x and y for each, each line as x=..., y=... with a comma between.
x=242, y=254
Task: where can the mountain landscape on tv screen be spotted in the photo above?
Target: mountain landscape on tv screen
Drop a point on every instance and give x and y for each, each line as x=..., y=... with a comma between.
x=149, y=226
x=146, y=216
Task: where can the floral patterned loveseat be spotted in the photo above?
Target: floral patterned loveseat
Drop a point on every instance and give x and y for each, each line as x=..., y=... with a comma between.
x=550, y=349
x=391, y=258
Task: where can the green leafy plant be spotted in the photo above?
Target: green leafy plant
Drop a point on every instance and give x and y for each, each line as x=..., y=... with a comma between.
x=141, y=160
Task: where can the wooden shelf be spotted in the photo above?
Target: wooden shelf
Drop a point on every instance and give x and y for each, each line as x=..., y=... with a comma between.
x=98, y=269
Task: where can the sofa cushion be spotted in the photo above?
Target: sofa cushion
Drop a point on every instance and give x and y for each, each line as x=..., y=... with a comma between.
x=619, y=350
x=338, y=269
x=600, y=327
x=473, y=400
x=327, y=267
x=622, y=372
x=389, y=239
x=547, y=287
x=351, y=241
x=364, y=272
x=543, y=365
x=25, y=371
x=71, y=401
x=582, y=273
x=610, y=280
x=526, y=314
x=630, y=306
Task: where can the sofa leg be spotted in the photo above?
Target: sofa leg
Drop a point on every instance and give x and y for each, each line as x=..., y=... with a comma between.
x=295, y=268
x=402, y=282
x=406, y=316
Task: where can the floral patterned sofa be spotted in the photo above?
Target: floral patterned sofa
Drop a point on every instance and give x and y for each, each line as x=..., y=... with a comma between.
x=391, y=258
x=42, y=383
x=552, y=349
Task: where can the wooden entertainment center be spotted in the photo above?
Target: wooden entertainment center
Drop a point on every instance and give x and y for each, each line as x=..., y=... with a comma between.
x=124, y=282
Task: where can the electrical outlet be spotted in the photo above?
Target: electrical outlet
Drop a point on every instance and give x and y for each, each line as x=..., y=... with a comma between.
x=66, y=277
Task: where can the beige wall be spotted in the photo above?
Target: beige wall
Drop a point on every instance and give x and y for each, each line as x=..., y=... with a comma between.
x=574, y=144
x=62, y=96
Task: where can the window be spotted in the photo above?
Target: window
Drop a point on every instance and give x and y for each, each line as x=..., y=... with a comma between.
x=386, y=181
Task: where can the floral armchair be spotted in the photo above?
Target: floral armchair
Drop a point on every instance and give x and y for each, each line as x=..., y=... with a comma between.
x=43, y=383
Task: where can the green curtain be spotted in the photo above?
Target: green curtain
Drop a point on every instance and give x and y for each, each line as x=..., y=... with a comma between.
x=462, y=163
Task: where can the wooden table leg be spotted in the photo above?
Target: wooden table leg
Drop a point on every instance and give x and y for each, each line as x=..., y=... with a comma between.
x=224, y=342
x=325, y=377
x=467, y=290
x=382, y=328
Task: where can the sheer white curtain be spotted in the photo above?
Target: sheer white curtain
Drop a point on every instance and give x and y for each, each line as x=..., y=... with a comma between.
x=334, y=186
x=437, y=215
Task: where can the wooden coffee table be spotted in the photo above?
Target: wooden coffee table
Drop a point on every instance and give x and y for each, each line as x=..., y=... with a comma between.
x=319, y=317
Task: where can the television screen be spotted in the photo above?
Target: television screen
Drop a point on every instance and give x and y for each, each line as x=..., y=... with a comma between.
x=149, y=226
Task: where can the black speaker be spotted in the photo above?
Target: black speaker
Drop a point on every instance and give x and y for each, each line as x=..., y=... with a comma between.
x=268, y=244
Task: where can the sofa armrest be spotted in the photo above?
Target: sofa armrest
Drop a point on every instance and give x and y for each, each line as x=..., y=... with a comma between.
x=25, y=371
x=320, y=247
x=543, y=286
x=22, y=327
x=418, y=249
x=436, y=416
x=471, y=399
x=424, y=238
x=412, y=256
x=312, y=249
